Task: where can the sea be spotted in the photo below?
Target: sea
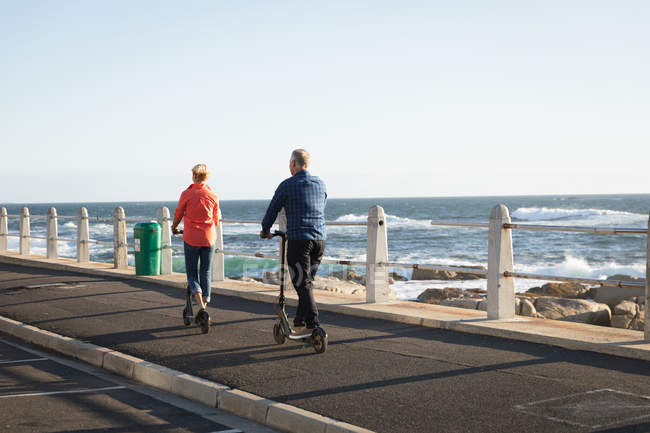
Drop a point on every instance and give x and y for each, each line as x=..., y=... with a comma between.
x=412, y=239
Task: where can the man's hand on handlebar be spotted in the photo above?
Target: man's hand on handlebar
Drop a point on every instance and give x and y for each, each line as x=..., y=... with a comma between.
x=265, y=235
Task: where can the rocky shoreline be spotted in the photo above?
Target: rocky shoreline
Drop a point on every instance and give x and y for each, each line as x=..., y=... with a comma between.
x=559, y=301
x=604, y=306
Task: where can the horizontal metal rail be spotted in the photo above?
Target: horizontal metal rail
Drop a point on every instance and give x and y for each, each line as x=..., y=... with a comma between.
x=577, y=229
x=328, y=223
x=590, y=281
x=457, y=224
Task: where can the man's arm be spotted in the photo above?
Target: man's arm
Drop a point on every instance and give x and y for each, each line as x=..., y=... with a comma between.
x=277, y=203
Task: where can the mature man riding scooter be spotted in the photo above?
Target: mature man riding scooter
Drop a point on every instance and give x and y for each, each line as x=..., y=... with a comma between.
x=303, y=197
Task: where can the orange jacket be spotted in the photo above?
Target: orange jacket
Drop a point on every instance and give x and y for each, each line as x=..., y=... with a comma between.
x=200, y=208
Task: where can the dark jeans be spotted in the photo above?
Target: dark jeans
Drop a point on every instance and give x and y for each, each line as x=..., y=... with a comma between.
x=303, y=259
x=199, y=277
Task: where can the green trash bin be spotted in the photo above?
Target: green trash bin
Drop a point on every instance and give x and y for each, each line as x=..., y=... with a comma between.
x=148, y=242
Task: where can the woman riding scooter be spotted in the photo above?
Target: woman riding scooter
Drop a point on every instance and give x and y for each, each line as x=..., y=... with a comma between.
x=199, y=206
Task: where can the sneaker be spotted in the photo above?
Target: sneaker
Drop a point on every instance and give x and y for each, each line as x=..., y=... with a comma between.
x=313, y=325
x=199, y=316
x=298, y=323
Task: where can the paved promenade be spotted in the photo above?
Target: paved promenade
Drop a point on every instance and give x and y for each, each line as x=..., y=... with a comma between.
x=378, y=374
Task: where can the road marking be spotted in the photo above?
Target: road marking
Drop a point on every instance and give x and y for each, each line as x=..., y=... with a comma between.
x=228, y=431
x=23, y=360
x=75, y=391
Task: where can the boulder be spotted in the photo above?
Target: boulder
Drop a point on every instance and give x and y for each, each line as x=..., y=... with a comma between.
x=560, y=290
x=432, y=274
x=628, y=315
x=470, y=303
x=397, y=277
x=527, y=308
x=348, y=275
x=435, y=295
x=574, y=310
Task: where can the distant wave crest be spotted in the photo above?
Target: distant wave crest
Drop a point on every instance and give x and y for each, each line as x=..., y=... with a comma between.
x=586, y=215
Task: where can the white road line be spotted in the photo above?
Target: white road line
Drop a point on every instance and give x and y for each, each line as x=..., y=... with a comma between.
x=23, y=360
x=75, y=391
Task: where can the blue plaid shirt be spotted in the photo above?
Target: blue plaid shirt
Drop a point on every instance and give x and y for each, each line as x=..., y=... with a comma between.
x=303, y=198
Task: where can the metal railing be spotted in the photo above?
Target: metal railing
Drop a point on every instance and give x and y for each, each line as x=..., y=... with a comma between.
x=500, y=271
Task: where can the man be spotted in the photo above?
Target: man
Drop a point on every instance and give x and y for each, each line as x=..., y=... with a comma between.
x=303, y=197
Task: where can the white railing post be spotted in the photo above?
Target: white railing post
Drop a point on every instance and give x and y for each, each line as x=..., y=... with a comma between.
x=166, y=241
x=120, y=258
x=646, y=327
x=282, y=226
x=4, y=230
x=52, y=234
x=218, y=263
x=500, y=289
x=83, y=236
x=24, y=232
x=377, y=288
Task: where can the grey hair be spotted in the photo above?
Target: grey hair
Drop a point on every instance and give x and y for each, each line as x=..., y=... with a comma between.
x=301, y=156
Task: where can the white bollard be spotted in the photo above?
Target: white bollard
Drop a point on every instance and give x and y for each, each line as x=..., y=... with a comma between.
x=83, y=236
x=218, y=262
x=377, y=288
x=646, y=327
x=120, y=258
x=52, y=234
x=166, y=241
x=24, y=232
x=500, y=289
x=4, y=230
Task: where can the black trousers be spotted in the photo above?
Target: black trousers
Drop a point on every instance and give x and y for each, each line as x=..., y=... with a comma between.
x=303, y=259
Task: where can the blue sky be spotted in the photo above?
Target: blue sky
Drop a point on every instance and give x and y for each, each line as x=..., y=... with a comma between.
x=116, y=101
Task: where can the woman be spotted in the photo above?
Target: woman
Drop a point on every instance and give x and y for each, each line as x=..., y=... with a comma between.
x=200, y=208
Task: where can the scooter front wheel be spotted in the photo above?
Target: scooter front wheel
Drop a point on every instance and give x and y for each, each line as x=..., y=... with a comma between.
x=319, y=340
x=278, y=335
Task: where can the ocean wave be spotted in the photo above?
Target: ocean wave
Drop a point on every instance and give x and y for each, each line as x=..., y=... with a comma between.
x=588, y=216
x=392, y=220
x=579, y=267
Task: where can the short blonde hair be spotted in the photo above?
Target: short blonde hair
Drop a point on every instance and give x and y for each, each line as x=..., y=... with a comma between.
x=200, y=173
x=302, y=157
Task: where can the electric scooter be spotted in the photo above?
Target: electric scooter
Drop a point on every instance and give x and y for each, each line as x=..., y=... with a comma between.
x=203, y=320
x=282, y=330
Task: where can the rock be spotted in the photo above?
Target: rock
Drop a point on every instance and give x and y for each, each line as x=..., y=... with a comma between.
x=623, y=277
x=627, y=308
x=638, y=323
x=470, y=303
x=528, y=308
x=574, y=310
x=434, y=295
x=397, y=277
x=560, y=290
x=628, y=315
x=431, y=274
x=348, y=275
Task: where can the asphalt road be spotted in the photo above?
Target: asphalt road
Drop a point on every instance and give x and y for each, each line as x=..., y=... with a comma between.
x=380, y=375
x=41, y=392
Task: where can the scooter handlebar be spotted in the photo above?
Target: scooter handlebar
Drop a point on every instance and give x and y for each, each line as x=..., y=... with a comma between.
x=282, y=234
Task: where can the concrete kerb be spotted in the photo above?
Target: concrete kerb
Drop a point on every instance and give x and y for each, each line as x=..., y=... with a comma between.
x=212, y=394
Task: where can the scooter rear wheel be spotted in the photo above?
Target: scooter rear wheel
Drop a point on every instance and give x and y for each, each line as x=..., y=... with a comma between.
x=278, y=336
x=319, y=340
x=204, y=322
